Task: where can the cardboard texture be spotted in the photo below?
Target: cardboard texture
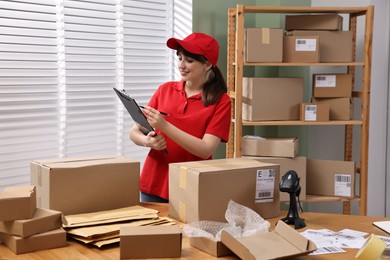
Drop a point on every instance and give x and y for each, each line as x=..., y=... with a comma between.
x=17, y=202
x=48, y=240
x=201, y=190
x=150, y=242
x=339, y=108
x=271, y=98
x=282, y=242
x=42, y=221
x=332, y=22
x=301, y=48
x=263, y=45
x=81, y=185
x=270, y=146
x=298, y=164
x=331, y=178
x=311, y=112
x=332, y=85
x=335, y=46
x=210, y=246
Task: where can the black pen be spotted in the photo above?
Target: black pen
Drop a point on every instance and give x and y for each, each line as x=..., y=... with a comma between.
x=162, y=113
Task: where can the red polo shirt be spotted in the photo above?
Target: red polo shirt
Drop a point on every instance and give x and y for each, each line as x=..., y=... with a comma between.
x=191, y=116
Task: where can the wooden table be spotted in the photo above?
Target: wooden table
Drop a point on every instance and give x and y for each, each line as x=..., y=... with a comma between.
x=78, y=251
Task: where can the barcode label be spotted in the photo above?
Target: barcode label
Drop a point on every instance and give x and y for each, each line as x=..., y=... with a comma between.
x=305, y=45
x=264, y=194
x=265, y=183
x=343, y=178
x=343, y=185
x=325, y=81
x=311, y=113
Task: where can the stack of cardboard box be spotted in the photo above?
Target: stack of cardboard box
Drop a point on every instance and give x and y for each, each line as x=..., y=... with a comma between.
x=24, y=227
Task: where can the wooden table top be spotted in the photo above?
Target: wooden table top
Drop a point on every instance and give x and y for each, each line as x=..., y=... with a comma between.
x=78, y=251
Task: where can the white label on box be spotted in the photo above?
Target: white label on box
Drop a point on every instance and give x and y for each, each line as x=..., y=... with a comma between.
x=265, y=183
x=310, y=112
x=327, y=81
x=305, y=44
x=342, y=185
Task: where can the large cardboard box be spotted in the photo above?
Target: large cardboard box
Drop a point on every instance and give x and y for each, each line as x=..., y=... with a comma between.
x=210, y=246
x=82, y=185
x=42, y=221
x=301, y=48
x=330, y=178
x=263, y=45
x=335, y=46
x=339, y=108
x=202, y=190
x=311, y=112
x=298, y=164
x=270, y=146
x=48, y=240
x=150, y=242
x=17, y=202
x=271, y=98
x=281, y=243
x=332, y=85
x=331, y=22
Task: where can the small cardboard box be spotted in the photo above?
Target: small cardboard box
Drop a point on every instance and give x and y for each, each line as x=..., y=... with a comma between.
x=48, y=240
x=202, y=190
x=332, y=85
x=283, y=242
x=301, y=48
x=311, y=112
x=270, y=146
x=331, y=22
x=271, y=98
x=339, y=108
x=263, y=45
x=42, y=221
x=298, y=164
x=210, y=246
x=82, y=185
x=330, y=178
x=17, y=202
x=150, y=242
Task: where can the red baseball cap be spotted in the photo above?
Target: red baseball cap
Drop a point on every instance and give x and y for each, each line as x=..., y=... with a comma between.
x=198, y=43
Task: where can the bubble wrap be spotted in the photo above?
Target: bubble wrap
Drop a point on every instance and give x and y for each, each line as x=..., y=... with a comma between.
x=241, y=221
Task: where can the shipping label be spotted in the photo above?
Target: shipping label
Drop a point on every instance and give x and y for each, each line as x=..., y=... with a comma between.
x=327, y=81
x=343, y=185
x=310, y=112
x=305, y=44
x=265, y=183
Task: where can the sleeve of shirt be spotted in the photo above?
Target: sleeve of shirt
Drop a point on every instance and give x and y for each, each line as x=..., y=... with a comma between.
x=220, y=122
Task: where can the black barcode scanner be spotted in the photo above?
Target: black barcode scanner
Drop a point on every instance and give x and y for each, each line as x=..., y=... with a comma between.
x=290, y=183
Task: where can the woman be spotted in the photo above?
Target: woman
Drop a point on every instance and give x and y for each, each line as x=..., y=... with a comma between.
x=196, y=119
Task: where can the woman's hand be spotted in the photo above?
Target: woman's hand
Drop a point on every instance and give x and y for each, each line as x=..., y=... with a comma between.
x=155, y=141
x=154, y=117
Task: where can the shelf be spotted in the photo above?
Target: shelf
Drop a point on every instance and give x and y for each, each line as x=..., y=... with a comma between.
x=296, y=64
x=300, y=9
x=297, y=122
x=317, y=198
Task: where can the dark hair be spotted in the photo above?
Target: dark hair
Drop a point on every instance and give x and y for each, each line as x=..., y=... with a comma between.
x=215, y=85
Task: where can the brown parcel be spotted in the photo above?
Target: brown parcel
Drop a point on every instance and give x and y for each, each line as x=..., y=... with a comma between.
x=202, y=190
x=332, y=85
x=298, y=164
x=263, y=45
x=331, y=22
x=270, y=146
x=210, y=246
x=271, y=98
x=311, y=112
x=81, y=185
x=301, y=49
x=150, y=242
x=339, y=108
x=17, y=202
x=43, y=220
x=331, y=178
x=283, y=242
x=48, y=240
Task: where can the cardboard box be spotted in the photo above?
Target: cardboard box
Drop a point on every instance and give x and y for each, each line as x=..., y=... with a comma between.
x=331, y=22
x=301, y=48
x=330, y=178
x=202, y=190
x=270, y=146
x=17, y=202
x=335, y=46
x=210, y=246
x=150, y=242
x=332, y=85
x=298, y=164
x=314, y=112
x=48, y=240
x=271, y=98
x=339, y=108
x=42, y=221
x=82, y=185
x=283, y=242
x=263, y=45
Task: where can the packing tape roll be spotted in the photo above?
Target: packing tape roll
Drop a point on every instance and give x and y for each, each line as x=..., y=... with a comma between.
x=372, y=248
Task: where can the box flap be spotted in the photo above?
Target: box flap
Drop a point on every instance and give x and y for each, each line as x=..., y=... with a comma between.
x=17, y=192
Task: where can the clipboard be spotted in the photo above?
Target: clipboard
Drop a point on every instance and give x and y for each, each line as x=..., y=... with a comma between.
x=134, y=111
